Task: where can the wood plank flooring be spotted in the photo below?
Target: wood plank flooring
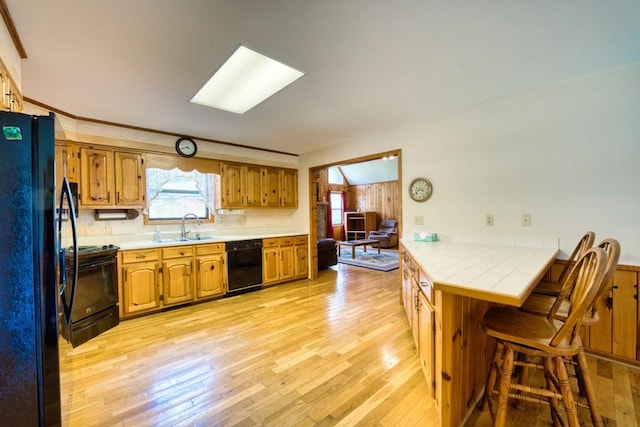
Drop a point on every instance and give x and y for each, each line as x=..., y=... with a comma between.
x=332, y=351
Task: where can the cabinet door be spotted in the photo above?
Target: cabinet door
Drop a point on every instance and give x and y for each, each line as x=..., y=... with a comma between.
x=270, y=265
x=406, y=290
x=96, y=177
x=129, y=179
x=302, y=266
x=287, y=263
x=426, y=340
x=73, y=162
x=615, y=332
x=271, y=187
x=289, y=192
x=251, y=186
x=177, y=282
x=140, y=287
x=415, y=321
x=211, y=276
x=231, y=185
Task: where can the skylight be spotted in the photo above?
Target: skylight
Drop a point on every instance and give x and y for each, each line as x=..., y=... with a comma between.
x=246, y=79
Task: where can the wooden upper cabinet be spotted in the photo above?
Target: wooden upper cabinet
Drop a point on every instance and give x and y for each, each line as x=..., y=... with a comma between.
x=289, y=191
x=231, y=185
x=96, y=184
x=129, y=179
x=271, y=187
x=253, y=186
x=111, y=179
x=67, y=159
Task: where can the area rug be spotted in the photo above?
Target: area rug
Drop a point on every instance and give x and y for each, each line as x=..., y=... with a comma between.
x=386, y=261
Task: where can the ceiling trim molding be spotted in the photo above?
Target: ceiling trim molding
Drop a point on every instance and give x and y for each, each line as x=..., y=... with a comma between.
x=160, y=132
x=8, y=21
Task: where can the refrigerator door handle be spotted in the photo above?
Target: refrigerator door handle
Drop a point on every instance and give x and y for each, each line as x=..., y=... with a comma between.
x=67, y=301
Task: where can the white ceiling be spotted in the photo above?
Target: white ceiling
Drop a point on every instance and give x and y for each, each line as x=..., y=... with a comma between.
x=370, y=64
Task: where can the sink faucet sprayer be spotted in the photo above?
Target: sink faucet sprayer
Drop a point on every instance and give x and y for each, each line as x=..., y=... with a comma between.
x=183, y=232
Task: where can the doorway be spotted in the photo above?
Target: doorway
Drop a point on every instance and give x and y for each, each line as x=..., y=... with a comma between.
x=318, y=204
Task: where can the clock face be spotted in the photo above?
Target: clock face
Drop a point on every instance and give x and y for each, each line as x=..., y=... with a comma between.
x=186, y=147
x=420, y=189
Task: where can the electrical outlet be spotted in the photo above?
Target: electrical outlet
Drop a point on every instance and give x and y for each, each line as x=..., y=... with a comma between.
x=489, y=220
x=419, y=220
x=526, y=220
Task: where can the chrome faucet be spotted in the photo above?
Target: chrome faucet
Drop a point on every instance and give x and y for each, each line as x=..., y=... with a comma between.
x=183, y=232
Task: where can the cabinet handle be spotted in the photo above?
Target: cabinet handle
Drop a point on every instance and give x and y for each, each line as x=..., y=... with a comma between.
x=124, y=274
x=609, y=303
x=117, y=197
x=108, y=196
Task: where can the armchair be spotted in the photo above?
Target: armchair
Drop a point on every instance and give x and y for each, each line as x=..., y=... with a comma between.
x=387, y=233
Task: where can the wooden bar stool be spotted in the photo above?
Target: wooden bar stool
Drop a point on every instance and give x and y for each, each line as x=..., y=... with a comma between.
x=545, y=337
x=552, y=287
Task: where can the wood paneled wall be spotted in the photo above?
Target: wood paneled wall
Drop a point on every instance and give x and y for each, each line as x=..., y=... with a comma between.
x=379, y=197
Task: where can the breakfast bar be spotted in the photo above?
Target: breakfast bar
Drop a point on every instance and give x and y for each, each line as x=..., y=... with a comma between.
x=446, y=289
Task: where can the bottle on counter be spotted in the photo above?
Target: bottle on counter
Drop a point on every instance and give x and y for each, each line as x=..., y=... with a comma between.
x=158, y=237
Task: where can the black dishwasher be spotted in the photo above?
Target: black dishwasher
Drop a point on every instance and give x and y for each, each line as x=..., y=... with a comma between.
x=244, y=266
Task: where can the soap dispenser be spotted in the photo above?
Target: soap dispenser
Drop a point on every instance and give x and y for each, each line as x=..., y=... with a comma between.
x=158, y=235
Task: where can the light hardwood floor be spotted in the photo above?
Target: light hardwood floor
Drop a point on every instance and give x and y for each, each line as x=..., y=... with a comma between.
x=333, y=351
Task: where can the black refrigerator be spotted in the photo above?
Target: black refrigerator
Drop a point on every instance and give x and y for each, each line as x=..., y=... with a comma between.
x=30, y=285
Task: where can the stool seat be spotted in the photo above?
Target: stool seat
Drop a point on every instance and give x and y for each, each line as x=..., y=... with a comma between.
x=529, y=330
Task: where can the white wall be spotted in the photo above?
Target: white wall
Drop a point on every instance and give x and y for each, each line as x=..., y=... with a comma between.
x=569, y=155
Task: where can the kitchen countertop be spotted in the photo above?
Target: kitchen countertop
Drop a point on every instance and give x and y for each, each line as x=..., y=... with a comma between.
x=500, y=274
x=145, y=241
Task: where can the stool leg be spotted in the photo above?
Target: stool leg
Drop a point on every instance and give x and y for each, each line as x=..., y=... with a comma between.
x=505, y=382
x=554, y=407
x=567, y=394
x=522, y=373
x=491, y=378
x=583, y=372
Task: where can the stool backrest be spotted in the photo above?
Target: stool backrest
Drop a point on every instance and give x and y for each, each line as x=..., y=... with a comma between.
x=612, y=248
x=581, y=287
x=583, y=244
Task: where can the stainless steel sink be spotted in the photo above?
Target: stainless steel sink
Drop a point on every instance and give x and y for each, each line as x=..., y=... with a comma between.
x=195, y=239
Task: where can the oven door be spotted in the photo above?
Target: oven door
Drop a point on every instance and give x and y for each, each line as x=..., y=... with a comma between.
x=96, y=288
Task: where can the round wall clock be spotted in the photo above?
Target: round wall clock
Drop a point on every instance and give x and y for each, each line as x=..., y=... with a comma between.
x=186, y=147
x=420, y=189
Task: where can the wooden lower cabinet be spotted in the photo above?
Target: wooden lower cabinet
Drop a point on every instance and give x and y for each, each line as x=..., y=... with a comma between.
x=417, y=299
x=211, y=274
x=450, y=342
x=284, y=259
x=426, y=339
x=177, y=280
x=156, y=278
x=301, y=248
x=139, y=282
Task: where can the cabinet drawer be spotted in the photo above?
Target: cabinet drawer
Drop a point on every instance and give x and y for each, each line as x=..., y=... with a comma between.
x=270, y=243
x=208, y=249
x=140, y=255
x=177, y=252
x=286, y=241
x=426, y=285
x=300, y=240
